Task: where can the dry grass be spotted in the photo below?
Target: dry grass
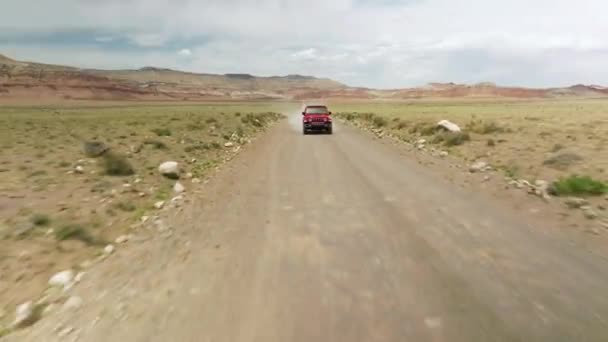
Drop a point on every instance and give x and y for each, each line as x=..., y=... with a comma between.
x=72, y=164
x=549, y=139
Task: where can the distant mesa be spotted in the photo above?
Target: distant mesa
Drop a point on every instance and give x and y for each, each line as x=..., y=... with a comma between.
x=240, y=76
x=150, y=68
x=29, y=80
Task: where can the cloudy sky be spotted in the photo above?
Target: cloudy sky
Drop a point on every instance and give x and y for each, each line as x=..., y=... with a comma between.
x=374, y=43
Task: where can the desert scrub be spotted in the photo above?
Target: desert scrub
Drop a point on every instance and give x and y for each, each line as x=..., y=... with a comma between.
x=125, y=206
x=40, y=220
x=74, y=231
x=451, y=138
x=162, y=132
x=423, y=128
x=157, y=144
x=401, y=124
x=117, y=165
x=562, y=161
x=511, y=170
x=379, y=122
x=578, y=185
x=485, y=127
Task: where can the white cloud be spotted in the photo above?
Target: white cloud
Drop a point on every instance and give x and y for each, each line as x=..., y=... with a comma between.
x=307, y=54
x=104, y=39
x=360, y=42
x=185, y=52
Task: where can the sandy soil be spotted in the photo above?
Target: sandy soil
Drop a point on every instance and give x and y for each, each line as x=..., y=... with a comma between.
x=341, y=238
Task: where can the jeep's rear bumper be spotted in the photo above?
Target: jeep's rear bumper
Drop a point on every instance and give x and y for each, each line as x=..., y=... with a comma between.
x=317, y=126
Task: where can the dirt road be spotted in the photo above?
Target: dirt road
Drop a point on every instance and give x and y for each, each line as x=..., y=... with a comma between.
x=339, y=238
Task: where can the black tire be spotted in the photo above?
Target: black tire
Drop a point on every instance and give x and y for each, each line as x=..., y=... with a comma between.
x=304, y=132
x=330, y=130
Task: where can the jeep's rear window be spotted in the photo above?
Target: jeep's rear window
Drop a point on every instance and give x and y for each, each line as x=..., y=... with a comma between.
x=316, y=110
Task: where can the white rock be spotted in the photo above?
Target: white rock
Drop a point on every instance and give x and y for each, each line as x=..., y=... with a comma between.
x=62, y=279
x=79, y=276
x=189, y=175
x=65, y=332
x=575, y=203
x=541, y=183
x=159, y=204
x=420, y=146
x=178, y=188
x=79, y=169
x=541, y=188
x=443, y=154
x=24, y=314
x=72, y=303
x=589, y=213
x=229, y=144
x=448, y=125
x=137, y=180
x=479, y=166
x=196, y=180
x=109, y=249
x=169, y=169
x=122, y=239
x=144, y=219
x=421, y=142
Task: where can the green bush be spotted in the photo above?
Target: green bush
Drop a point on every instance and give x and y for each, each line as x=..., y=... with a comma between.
x=162, y=132
x=74, y=232
x=40, y=219
x=512, y=171
x=401, y=124
x=423, y=128
x=379, y=121
x=578, y=185
x=452, y=138
x=117, y=165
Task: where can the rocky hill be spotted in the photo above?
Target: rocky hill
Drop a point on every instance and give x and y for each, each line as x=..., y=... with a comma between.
x=23, y=80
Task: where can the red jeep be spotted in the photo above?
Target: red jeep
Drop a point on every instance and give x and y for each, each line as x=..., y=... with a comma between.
x=317, y=119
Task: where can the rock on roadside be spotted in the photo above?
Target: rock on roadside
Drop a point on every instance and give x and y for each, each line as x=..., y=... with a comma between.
x=448, y=125
x=109, y=249
x=24, y=315
x=479, y=166
x=122, y=239
x=73, y=303
x=169, y=169
x=62, y=279
x=576, y=203
x=178, y=188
